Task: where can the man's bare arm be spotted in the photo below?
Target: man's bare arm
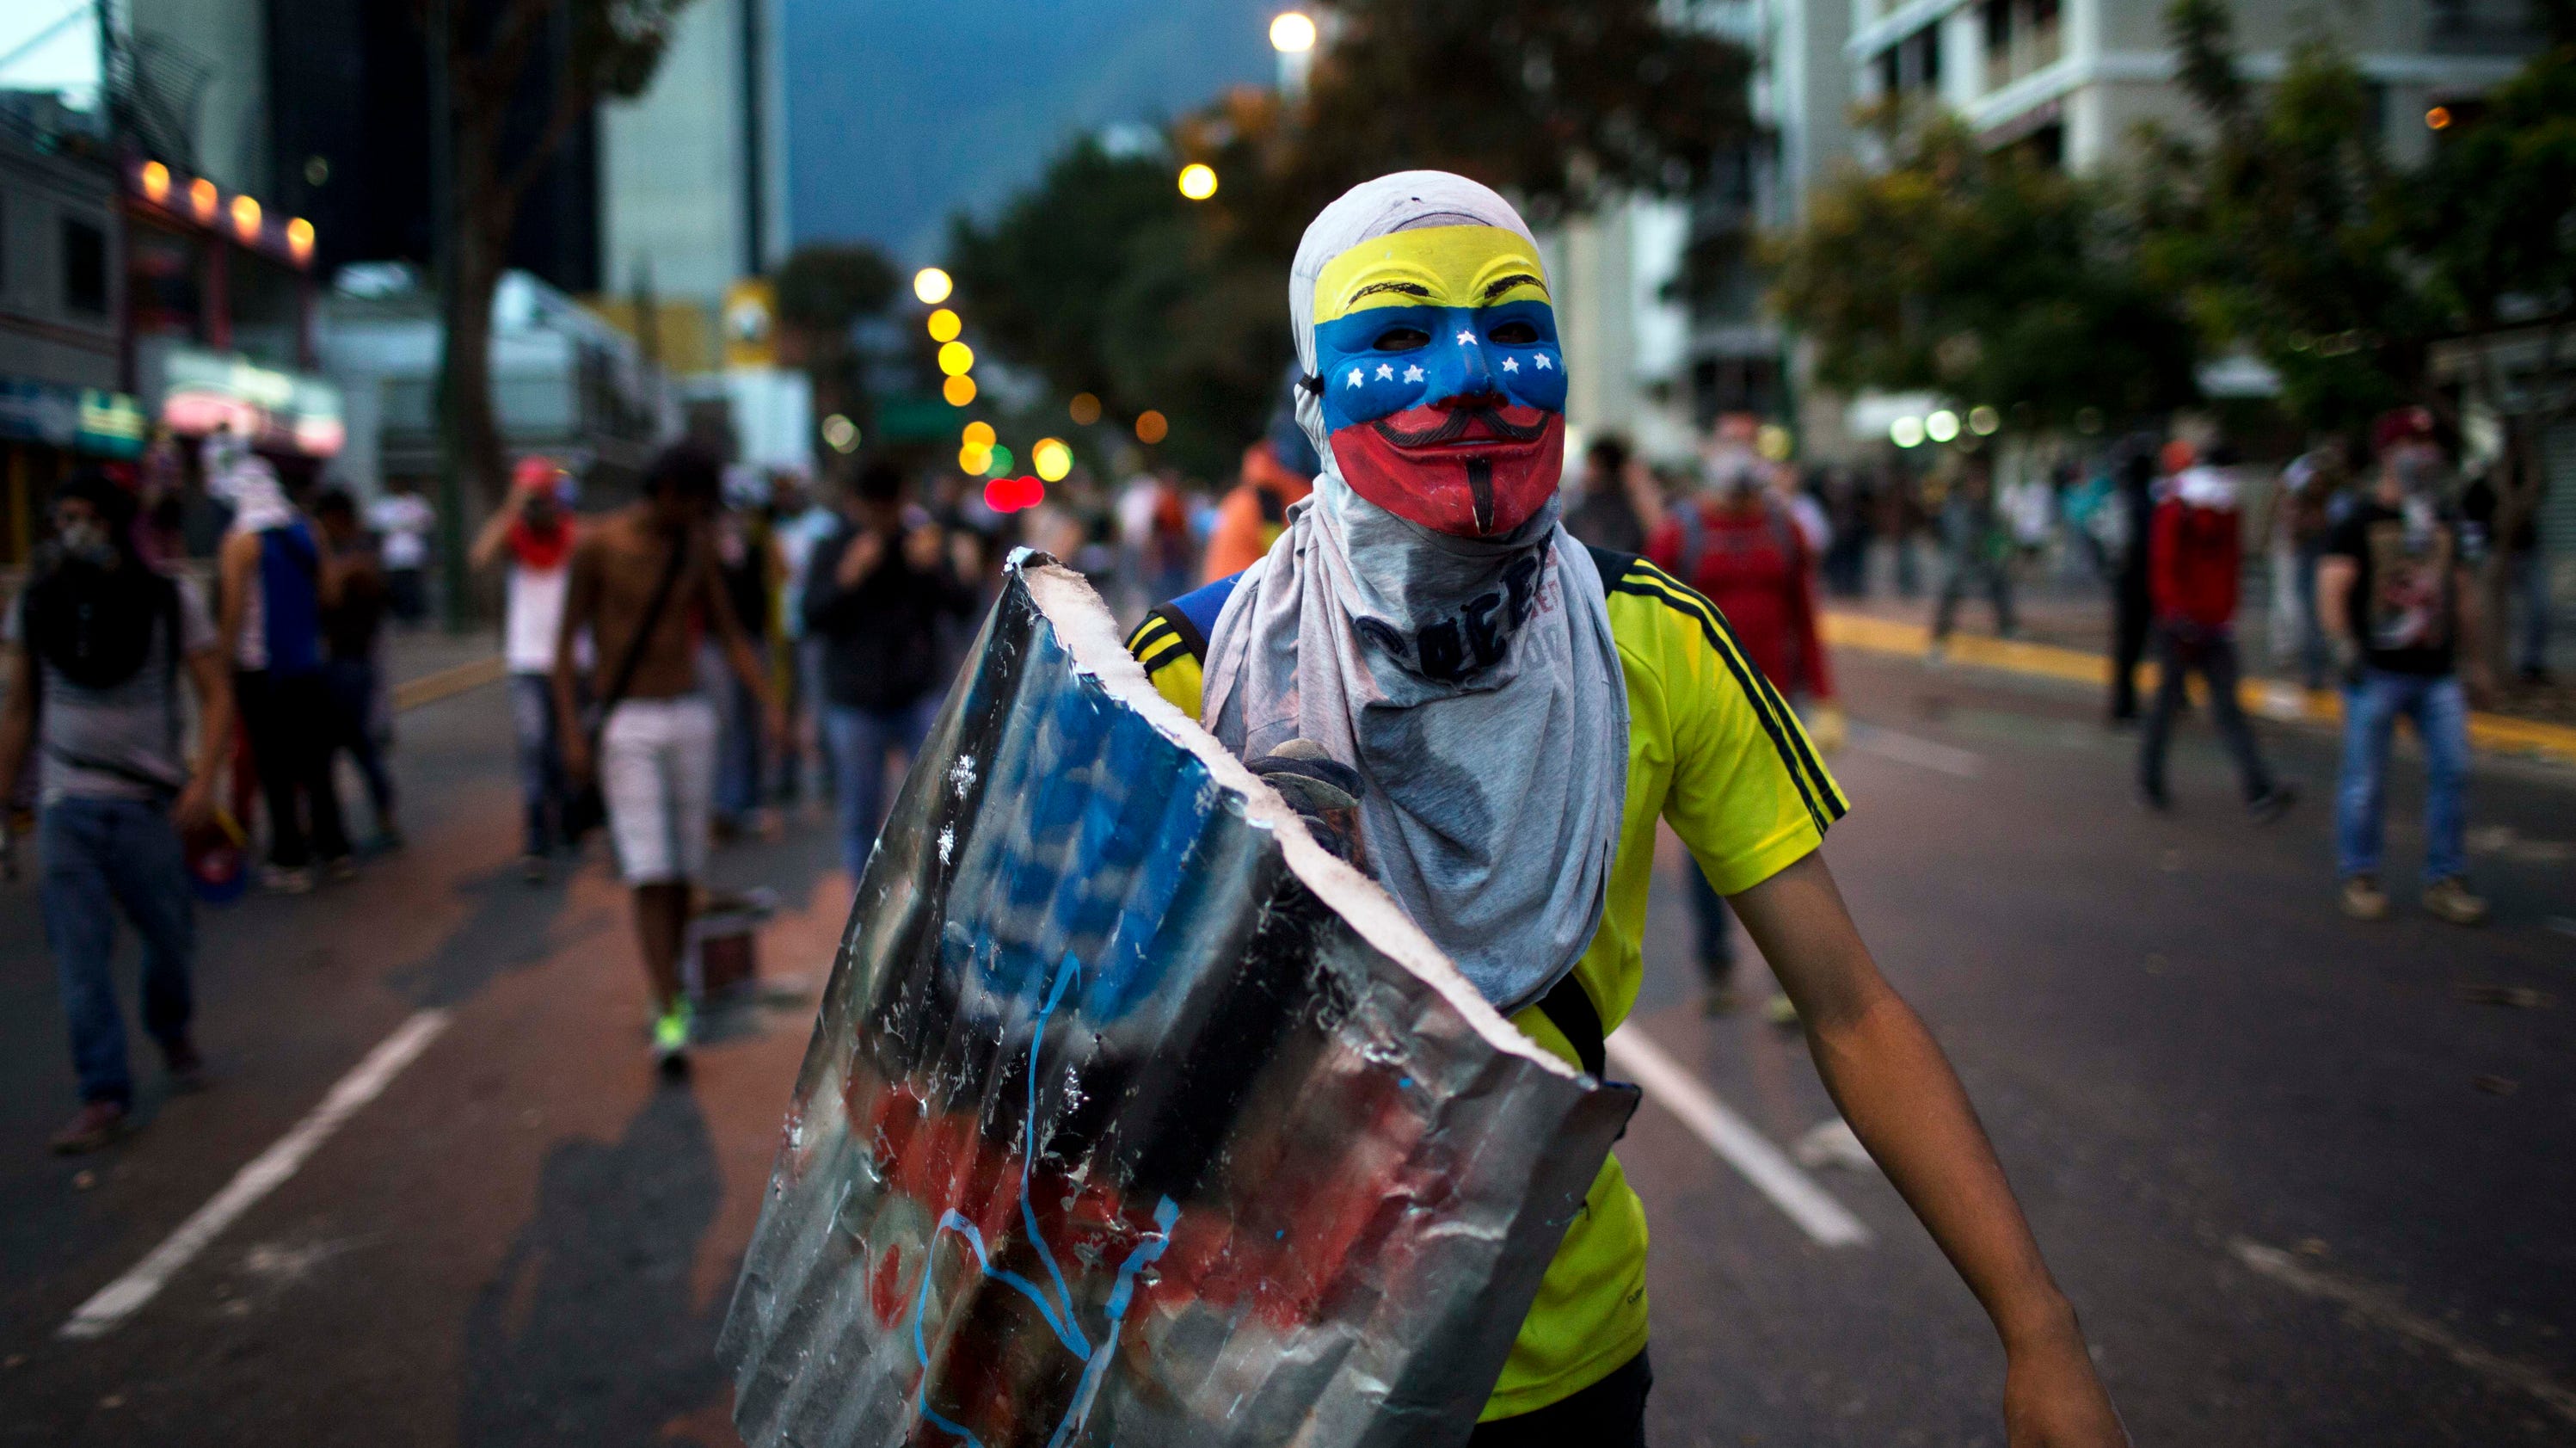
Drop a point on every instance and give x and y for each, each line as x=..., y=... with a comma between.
x=239, y=555
x=1891, y=1082
x=495, y=531
x=2336, y=575
x=214, y=686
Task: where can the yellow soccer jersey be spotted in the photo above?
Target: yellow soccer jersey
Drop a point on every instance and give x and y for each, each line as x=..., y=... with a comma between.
x=1712, y=749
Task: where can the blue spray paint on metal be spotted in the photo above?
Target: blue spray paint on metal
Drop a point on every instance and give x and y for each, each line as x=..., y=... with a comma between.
x=1058, y=1312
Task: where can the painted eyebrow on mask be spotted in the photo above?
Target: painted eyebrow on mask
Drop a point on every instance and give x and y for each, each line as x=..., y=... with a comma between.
x=1500, y=285
x=1410, y=289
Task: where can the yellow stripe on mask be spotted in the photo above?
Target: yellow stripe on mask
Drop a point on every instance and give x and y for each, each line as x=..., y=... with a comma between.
x=1438, y=266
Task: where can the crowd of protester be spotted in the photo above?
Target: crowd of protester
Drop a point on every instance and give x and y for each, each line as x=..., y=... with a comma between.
x=737, y=644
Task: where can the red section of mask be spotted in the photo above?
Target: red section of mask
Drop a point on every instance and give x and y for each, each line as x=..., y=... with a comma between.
x=1433, y=483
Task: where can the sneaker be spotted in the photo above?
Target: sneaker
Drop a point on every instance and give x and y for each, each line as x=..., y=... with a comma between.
x=186, y=1068
x=340, y=869
x=2453, y=900
x=2272, y=803
x=532, y=869
x=285, y=880
x=2363, y=899
x=98, y=1123
x=671, y=1038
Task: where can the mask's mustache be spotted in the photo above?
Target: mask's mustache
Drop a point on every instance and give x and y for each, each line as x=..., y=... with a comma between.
x=1455, y=426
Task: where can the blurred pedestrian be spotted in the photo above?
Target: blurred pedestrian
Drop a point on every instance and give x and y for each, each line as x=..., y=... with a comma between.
x=2312, y=487
x=1740, y=548
x=353, y=616
x=2397, y=599
x=874, y=596
x=2126, y=529
x=747, y=558
x=1849, y=511
x=2195, y=557
x=1604, y=511
x=531, y=536
x=101, y=638
x=404, y=521
x=643, y=584
x=1974, y=547
x=1158, y=555
x=2526, y=573
x=805, y=520
x=271, y=620
x=1278, y=473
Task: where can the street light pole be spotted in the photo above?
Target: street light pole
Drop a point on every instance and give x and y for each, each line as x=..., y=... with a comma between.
x=1292, y=34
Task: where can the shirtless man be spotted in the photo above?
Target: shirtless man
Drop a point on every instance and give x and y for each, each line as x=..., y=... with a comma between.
x=644, y=582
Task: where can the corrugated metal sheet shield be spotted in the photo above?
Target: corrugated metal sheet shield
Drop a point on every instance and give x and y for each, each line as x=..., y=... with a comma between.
x=1133, y=1118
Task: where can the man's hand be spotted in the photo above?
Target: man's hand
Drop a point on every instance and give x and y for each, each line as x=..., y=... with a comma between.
x=195, y=805
x=921, y=548
x=2052, y=1399
x=861, y=558
x=1827, y=727
x=576, y=755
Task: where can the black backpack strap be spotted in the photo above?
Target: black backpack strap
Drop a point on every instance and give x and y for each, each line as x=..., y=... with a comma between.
x=1191, y=638
x=1568, y=1007
x=1611, y=566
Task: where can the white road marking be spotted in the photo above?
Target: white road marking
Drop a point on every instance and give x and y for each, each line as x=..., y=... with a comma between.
x=1735, y=1141
x=1911, y=749
x=2377, y=1306
x=120, y=1299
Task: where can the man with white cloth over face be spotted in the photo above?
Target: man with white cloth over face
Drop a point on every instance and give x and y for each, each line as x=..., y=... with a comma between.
x=1490, y=718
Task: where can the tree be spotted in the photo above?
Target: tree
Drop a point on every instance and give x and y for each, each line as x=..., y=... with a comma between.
x=485, y=49
x=2285, y=226
x=823, y=291
x=1986, y=276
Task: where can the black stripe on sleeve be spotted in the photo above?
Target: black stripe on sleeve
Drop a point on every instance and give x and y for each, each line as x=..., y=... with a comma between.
x=1655, y=584
x=1708, y=613
x=1188, y=632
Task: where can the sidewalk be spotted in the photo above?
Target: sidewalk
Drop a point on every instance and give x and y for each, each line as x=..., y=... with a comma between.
x=2063, y=628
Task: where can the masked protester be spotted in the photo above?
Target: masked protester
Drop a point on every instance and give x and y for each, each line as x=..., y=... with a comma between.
x=1738, y=546
x=531, y=537
x=2195, y=557
x=2396, y=597
x=271, y=567
x=102, y=638
x=1493, y=718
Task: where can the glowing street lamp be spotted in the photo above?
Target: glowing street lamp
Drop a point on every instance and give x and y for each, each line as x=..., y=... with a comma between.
x=958, y=390
x=932, y=285
x=1292, y=31
x=156, y=182
x=1198, y=181
x=1906, y=432
x=956, y=359
x=1084, y=409
x=841, y=433
x=246, y=218
x=1941, y=426
x=299, y=238
x=1983, y=420
x=1151, y=427
x=201, y=200
x=1051, y=458
x=944, y=326
x=979, y=434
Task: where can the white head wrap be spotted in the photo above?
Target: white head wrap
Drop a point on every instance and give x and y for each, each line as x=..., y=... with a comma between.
x=1493, y=802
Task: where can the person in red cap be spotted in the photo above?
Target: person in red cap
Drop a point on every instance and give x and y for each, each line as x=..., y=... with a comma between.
x=532, y=535
x=2395, y=598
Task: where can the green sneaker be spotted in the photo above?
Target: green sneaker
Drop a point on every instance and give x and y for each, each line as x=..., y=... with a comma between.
x=671, y=1037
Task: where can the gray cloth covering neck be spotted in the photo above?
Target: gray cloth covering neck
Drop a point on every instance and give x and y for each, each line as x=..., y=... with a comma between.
x=1494, y=800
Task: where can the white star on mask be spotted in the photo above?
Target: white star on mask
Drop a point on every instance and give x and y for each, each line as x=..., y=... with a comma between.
x=1511, y=364
x=1543, y=363
x=1355, y=377
x=1412, y=374
x=1384, y=372
x=1466, y=339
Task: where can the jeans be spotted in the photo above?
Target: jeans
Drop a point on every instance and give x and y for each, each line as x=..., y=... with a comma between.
x=737, y=750
x=860, y=740
x=2440, y=709
x=352, y=683
x=103, y=855
x=288, y=718
x=2530, y=578
x=542, y=787
x=1712, y=927
x=2214, y=659
x=2129, y=630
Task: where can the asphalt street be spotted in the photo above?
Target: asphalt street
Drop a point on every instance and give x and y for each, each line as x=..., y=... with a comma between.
x=2307, y=1180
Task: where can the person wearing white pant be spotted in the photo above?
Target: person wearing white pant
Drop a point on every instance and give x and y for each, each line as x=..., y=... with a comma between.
x=657, y=774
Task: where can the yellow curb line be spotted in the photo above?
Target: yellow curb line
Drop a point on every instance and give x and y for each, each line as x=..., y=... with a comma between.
x=430, y=688
x=2271, y=698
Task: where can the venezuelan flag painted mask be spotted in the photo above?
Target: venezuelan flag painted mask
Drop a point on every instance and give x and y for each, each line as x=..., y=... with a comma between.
x=1439, y=376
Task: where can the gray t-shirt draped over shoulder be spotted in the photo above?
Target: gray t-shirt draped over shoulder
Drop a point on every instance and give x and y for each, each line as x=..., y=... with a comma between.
x=138, y=725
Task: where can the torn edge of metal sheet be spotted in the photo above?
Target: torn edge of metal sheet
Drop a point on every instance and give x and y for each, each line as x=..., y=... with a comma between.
x=1136, y=1116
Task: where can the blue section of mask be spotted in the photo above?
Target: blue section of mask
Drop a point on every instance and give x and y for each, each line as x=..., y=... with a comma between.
x=1381, y=361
